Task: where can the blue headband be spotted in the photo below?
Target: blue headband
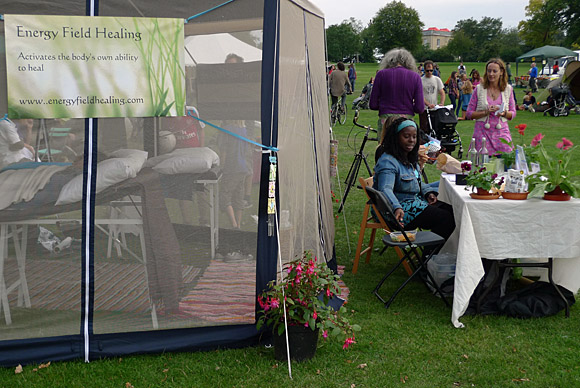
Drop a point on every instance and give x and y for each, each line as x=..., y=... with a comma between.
x=405, y=124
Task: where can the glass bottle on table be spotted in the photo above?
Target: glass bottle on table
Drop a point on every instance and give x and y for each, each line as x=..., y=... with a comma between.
x=472, y=152
x=483, y=153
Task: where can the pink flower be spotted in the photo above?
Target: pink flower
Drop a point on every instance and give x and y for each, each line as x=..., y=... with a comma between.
x=325, y=334
x=315, y=316
x=348, y=342
x=274, y=303
x=328, y=293
x=306, y=324
x=565, y=144
x=536, y=140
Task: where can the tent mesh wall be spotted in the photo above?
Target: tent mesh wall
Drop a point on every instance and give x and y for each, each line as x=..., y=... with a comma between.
x=170, y=240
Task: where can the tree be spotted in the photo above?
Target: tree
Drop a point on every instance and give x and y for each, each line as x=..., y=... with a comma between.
x=396, y=25
x=475, y=41
x=544, y=24
x=462, y=46
x=343, y=40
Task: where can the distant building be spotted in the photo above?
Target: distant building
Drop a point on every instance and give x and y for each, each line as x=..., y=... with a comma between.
x=436, y=38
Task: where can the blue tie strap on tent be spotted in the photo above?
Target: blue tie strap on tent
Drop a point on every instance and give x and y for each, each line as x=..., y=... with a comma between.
x=153, y=216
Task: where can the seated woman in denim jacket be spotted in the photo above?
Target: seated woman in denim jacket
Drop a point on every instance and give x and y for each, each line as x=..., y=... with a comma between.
x=398, y=176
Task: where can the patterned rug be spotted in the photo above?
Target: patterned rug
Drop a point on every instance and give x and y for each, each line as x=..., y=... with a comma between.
x=343, y=287
x=224, y=294
x=55, y=285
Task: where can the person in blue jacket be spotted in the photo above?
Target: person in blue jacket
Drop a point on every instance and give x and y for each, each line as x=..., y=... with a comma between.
x=398, y=176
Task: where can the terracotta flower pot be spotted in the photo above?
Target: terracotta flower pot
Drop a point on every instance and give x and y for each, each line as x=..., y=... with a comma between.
x=557, y=195
x=481, y=191
x=302, y=341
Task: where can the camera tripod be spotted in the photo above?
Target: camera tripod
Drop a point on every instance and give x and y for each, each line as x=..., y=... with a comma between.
x=359, y=157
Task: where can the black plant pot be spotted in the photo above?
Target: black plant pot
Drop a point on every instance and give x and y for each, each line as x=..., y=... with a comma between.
x=302, y=341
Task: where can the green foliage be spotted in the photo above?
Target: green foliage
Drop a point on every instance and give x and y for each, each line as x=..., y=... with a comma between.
x=301, y=288
x=343, y=40
x=544, y=24
x=396, y=25
x=479, y=41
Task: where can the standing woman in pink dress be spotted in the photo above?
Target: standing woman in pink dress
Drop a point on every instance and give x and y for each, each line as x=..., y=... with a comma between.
x=491, y=106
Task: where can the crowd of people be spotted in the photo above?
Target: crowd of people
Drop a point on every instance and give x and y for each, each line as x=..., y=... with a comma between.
x=402, y=88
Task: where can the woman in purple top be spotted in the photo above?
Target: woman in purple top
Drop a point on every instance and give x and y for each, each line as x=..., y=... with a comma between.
x=397, y=89
x=491, y=106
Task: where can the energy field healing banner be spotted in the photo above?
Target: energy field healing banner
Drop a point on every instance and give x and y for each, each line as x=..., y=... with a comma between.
x=81, y=66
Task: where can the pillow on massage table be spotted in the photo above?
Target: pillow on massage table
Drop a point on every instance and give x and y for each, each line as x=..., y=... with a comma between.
x=195, y=160
x=135, y=158
x=109, y=172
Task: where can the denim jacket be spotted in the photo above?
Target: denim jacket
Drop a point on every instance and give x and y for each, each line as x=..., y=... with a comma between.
x=399, y=182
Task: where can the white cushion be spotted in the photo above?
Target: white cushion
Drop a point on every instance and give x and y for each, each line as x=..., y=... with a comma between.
x=135, y=158
x=185, y=160
x=109, y=172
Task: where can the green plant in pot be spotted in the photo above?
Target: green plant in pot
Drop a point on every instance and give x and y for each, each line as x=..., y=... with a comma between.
x=554, y=180
x=480, y=179
x=509, y=158
x=306, y=287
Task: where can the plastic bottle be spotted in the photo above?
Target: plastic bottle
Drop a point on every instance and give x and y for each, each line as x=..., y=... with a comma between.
x=483, y=153
x=472, y=152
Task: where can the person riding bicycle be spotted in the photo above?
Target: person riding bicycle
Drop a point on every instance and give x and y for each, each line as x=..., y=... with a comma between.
x=339, y=84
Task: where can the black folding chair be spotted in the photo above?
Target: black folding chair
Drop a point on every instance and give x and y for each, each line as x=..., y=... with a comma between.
x=415, y=252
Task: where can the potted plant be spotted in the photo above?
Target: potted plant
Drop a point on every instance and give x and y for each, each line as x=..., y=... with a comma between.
x=302, y=297
x=509, y=158
x=554, y=181
x=480, y=179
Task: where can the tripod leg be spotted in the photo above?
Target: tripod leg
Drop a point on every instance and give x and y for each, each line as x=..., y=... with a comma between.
x=350, y=179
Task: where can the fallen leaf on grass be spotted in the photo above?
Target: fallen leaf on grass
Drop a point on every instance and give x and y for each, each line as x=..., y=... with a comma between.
x=522, y=379
x=274, y=366
x=318, y=371
x=128, y=385
x=349, y=361
x=465, y=356
x=362, y=366
x=165, y=370
x=41, y=366
x=404, y=379
x=18, y=369
x=352, y=385
x=457, y=384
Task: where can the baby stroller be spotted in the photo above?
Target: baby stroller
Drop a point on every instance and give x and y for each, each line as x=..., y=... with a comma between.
x=561, y=103
x=362, y=102
x=442, y=122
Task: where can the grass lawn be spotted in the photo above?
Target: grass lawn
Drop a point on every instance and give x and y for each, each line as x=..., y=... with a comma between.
x=412, y=344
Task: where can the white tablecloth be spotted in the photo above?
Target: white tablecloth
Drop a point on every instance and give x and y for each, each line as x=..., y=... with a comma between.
x=500, y=229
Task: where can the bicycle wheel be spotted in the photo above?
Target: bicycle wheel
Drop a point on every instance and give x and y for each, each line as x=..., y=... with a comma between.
x=342, y=116
x=332, y=116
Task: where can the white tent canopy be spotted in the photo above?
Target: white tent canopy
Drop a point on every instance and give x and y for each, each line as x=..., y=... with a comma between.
x=222, y=44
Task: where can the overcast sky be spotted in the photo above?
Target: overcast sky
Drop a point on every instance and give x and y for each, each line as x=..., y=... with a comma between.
x=433, y=13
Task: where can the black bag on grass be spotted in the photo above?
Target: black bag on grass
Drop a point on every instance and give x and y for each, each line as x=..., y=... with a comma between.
x=539, y=299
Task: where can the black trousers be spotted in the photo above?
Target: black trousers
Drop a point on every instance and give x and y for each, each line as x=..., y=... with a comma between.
x=438, y=218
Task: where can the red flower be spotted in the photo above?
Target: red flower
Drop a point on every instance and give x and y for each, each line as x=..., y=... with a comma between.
x=536, y=140
x=521, y=128
x=565, y=144
x=325, y=333
x=274, y=303
x=348, y=342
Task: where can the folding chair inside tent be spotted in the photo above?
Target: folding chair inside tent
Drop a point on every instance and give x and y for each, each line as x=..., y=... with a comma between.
x=369, y=222
x=414, y=251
